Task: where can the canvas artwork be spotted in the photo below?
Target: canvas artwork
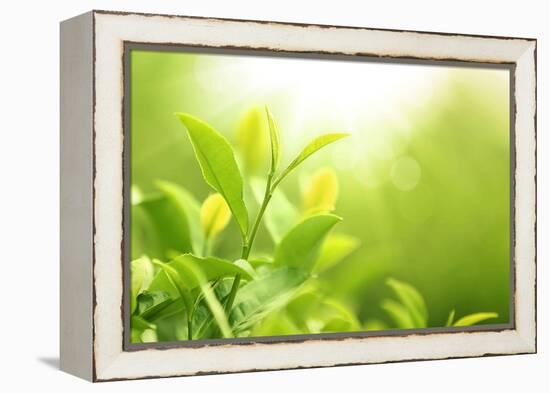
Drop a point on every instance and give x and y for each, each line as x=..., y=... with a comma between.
x=241, y=195
x=278, y=196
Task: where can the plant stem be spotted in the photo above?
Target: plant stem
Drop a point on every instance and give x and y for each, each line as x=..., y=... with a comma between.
x=244, y=250
x=267, y=198
x=247, y=245
x=233, y=293
x=189, y=327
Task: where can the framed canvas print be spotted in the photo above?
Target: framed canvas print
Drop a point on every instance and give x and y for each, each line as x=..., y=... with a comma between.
x=245, y=195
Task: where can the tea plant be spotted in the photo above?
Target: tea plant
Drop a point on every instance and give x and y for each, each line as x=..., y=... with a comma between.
x=217, y=297
x=182, y=289
x=410, y=311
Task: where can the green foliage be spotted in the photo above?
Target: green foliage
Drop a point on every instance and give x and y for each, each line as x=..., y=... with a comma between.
x=412, y=301
x=411, y=312
x=143, y=331
x=310, y=311
x=267, y=294
x=450, y=319
x=183, y=266
x=159, y=229
x=399, y=314
x=188, y=208
x=280, y=216
x=339, y=318
x=198, y=291
x=251, y=140
x=321, y=192
x=335, y=248
x=141, y=275
x=312, y=147
x=374, y=324
x=275, y=142
x=219, y=168
x=448, y=236
x=182, y=287
x=212, y=302
x=474, y=319
x=300, y=247
x=150, y=304
x=170, y=280
x=215, y=215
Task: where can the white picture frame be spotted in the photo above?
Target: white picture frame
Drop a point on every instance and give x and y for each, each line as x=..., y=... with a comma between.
x=93, y=189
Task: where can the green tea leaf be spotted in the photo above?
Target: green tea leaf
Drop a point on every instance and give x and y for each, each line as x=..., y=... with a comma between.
x=150, y=303
x=300, y=247
x=211, y=300
x=169, y=280
x=260, y=297
x=321, y=192
x=412, y=300
x=149, y=336
x=314, y=325
x=205, y=325
x=183, y=267
x=142, y=331
x=188, y=207
x=450, y=319
x=252, y=139
x=259, y=261
x=304, y=306
x=338, y=324
x=473, y=319
x=246, y=266
x=218, y=165
x=314, y=312
x=215, y=215
x=140, y=323
x=141, y=276
x=399, y=314
x=335, y=248
x=173, y=327
x=338, y=317
x=280, y=215
x=276, y=324
x=374, y=324
x=158, y=229
x=155, y=314
x=315, y=145
x=275, y=141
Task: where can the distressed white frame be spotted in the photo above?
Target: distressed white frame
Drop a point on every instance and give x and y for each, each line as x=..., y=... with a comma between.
x=109, y=361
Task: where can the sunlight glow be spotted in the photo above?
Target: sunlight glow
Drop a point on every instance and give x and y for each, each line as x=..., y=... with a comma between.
x=349, y=91
x=322, y=95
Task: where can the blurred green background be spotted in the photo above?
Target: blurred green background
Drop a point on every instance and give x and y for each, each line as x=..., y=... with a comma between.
x=424, y=178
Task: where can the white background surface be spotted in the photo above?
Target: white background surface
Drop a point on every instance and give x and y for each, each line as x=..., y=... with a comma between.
x=29, y=195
